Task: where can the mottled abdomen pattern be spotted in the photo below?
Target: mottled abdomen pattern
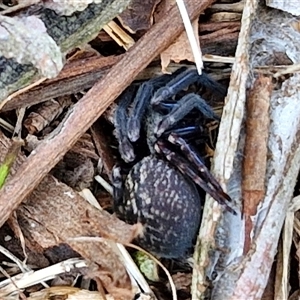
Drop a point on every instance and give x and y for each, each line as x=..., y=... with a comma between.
x=166, y=203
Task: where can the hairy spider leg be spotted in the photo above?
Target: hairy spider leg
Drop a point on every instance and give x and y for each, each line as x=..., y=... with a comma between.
x=185, y=105
x=120, y=121
x=185, y=131
x=142, y=101
x=182, y=81
x=117, y=182
x=196, y=160
x=206, y=81
x=140, y=104
x=186, y=168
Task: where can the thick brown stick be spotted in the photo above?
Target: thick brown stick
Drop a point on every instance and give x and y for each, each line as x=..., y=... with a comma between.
x=255, y=153
x=92, y=105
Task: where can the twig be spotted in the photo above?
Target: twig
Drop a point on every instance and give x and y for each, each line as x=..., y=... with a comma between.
x=255, y=153
x=32, y=278
x=21, y=91
x=76, y=75
x=91, y=106
x=119, y=35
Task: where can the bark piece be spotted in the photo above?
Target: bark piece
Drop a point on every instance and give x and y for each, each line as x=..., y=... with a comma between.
x=291, y=7
x=40, y=118
x=76, y=76
x=222, y=168
x=281, y=174
x=102, y=147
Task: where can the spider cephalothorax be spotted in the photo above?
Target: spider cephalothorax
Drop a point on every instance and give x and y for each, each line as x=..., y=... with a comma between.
x=160, y=189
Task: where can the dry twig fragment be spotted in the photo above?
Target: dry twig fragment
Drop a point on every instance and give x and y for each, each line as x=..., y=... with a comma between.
x=119, y=35
x=45, y=114
x=223, y=166
x=75, y=76
x=192, y=36
x=102, y=147
x=255, y=152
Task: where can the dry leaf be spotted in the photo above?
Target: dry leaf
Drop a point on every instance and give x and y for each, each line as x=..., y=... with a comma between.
x=56, y=208
x=55, y=214
x=180, y=49
x=138, y=15
x=26, y=40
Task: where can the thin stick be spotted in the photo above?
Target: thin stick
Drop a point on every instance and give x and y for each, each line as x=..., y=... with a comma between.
x=194, y=42
x=21, y=91
x=31, y=278
x=91, y=106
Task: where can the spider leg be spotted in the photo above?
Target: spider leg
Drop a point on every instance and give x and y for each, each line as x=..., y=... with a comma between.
x=194, y=158
x=120, y=121
x=182, y=81
x=185, y=131
x=209, y=186
x=140, y=104
x=184, y=106
x=117, y=188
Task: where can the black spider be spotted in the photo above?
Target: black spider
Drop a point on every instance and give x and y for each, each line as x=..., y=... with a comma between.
x=160, y=189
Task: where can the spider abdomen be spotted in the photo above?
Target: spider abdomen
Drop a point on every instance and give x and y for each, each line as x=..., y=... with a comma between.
x=166, y=203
